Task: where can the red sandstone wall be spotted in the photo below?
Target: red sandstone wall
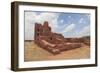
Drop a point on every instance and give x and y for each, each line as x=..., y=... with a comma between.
x=54, y=42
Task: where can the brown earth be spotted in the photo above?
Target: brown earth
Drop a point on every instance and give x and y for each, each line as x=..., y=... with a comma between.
x=33, y=52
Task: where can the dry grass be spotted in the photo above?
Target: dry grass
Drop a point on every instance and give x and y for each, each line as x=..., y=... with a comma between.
x=35, y=53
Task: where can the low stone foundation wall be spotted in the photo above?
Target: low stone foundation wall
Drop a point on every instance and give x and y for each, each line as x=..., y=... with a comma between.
x=58, y=48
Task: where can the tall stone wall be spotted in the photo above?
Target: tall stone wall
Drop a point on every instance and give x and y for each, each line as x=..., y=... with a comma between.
x=44, y=32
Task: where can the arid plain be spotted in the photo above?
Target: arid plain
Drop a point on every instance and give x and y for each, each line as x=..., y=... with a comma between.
x=32, y=52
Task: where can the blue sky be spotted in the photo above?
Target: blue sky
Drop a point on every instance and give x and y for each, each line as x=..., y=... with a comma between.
x=68, y=24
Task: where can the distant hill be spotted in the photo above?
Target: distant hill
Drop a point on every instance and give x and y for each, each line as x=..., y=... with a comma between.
x=85, y=40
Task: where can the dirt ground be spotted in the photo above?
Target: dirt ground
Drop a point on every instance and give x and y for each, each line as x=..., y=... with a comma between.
x=34, y=53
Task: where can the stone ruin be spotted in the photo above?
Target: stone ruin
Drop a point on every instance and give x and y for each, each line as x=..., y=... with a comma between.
x=52, y=42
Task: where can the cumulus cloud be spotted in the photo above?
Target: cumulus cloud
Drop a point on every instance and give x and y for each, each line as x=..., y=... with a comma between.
x=62, y=21
x=81, y=20
x=69, y=16
x=84, y=32
x=32, y=17
x=69, y=28
x=60, y=26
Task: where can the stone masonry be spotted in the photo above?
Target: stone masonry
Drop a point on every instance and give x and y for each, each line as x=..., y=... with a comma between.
x=52, y=42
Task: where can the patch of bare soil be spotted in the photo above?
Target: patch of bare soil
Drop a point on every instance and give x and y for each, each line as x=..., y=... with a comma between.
x=33, y=52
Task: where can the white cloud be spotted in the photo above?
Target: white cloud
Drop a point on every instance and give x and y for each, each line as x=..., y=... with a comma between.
x=69, y=28
x=81, y=20
x=69, y=16
x=62, y=21
x=32, y=17
x=85, y=31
